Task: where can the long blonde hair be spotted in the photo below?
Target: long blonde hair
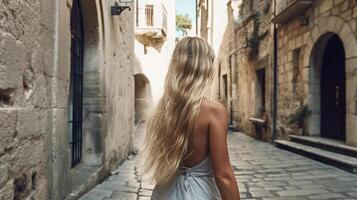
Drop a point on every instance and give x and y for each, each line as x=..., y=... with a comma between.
x=187, y=83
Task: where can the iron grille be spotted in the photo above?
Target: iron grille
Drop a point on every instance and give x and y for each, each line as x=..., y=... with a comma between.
x=76, y=83
x=149, y=12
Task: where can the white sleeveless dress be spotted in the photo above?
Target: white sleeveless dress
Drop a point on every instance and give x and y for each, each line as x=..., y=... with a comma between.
x=194, y=183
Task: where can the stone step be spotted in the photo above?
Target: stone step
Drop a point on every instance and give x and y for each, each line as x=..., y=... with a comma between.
x=326, y=144
x=344, y=162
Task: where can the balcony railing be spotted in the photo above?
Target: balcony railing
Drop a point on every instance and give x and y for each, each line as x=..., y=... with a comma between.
x=288, y=9
x=151, y=21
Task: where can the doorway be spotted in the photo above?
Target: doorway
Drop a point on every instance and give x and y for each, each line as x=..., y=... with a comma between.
x=333, y=90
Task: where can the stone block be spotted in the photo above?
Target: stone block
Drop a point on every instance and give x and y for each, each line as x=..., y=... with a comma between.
x=349, y=41
x=353, y=24
x=351, y=96
x=351, y=129
x=28, y=123
x=7, y=192
x=344, y=6
x=355, y=12
x=39, y=94
x=60, y=165
x=4, y=174
x=335, y=11
x=338, y=2
x=347, y=15
x=59, y=129
x=323, y=24
x=306, y=37
x=7, y=126
x=59, y=90
x=334, y=24
x=11, y=64
x=299, y=41
x=325, y=6
x=351, y=67
x=315, y=33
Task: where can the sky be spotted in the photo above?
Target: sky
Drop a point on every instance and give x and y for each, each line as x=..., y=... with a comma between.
x=187, y=7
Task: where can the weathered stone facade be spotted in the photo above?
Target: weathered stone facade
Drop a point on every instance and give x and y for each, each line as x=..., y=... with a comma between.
x=245, y=66
x=244, y=50
x=35, y=68
x=252, y=62
x=300, y=49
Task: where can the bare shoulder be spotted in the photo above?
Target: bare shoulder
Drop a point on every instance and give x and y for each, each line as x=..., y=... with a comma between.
x=213, y=109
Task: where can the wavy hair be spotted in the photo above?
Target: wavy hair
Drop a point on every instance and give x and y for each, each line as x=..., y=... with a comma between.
x=187, y=83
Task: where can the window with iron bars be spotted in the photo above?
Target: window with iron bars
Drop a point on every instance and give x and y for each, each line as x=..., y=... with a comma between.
x=149, y=12
x=76, y=84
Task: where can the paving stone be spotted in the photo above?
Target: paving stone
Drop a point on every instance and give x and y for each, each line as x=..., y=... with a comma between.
x=352, y=194
x=261, y=193
x=301, y=192
x=327, y=196
x=118, y=195
x=97, y=194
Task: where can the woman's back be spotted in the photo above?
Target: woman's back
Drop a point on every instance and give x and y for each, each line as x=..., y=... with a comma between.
x=198, y=140
x=195, y=178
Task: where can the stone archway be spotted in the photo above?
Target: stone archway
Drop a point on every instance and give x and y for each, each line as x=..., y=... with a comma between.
x=92, y=107
x=142, y=100
x=322, y=32
x=93, y=92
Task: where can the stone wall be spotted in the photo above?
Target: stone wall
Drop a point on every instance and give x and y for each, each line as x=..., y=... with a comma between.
x=24, y=100
x=299, y=47
x=252, y=55
x=35, y=61
x=119, y=85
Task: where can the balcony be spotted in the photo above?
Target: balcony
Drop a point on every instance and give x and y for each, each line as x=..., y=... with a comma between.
x=288, y=9
x=151, y=21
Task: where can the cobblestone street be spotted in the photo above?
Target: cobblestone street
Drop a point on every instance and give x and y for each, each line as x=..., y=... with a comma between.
x=262, y=170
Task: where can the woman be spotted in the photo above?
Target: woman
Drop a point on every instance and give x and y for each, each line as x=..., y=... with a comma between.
x=186, y=138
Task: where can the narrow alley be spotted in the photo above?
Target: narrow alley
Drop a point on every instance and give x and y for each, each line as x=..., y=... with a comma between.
x=262, y=171
x=80, y=78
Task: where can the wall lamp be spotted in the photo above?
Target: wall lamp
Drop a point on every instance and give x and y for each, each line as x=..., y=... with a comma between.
x=116, y=9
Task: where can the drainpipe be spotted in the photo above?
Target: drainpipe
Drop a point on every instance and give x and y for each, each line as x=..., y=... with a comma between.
x=196, y=6
x=212, y=22
x=275, y=77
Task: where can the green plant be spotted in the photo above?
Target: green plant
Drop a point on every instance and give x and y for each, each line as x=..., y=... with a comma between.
x=183, y=23
x=299, y=116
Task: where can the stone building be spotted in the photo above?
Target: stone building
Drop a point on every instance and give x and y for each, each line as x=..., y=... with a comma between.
x=291, y=68
x=213, y=26
x=155, y=31
x=317, y=52
x=243, y=63
x=66, y=95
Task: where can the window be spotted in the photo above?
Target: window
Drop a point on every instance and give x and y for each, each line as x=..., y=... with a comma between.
x=225, y=86
x=137, y=13
x=219, y=81
x=76, y=84
x=149, y=12
x=260, y=91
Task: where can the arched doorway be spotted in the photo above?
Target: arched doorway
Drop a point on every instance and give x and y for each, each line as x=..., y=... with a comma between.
x=328, y=87
x=87, y=98
x=333, y=90
x=142, y=97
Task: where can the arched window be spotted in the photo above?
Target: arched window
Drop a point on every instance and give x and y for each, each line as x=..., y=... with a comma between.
x=76, y=84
